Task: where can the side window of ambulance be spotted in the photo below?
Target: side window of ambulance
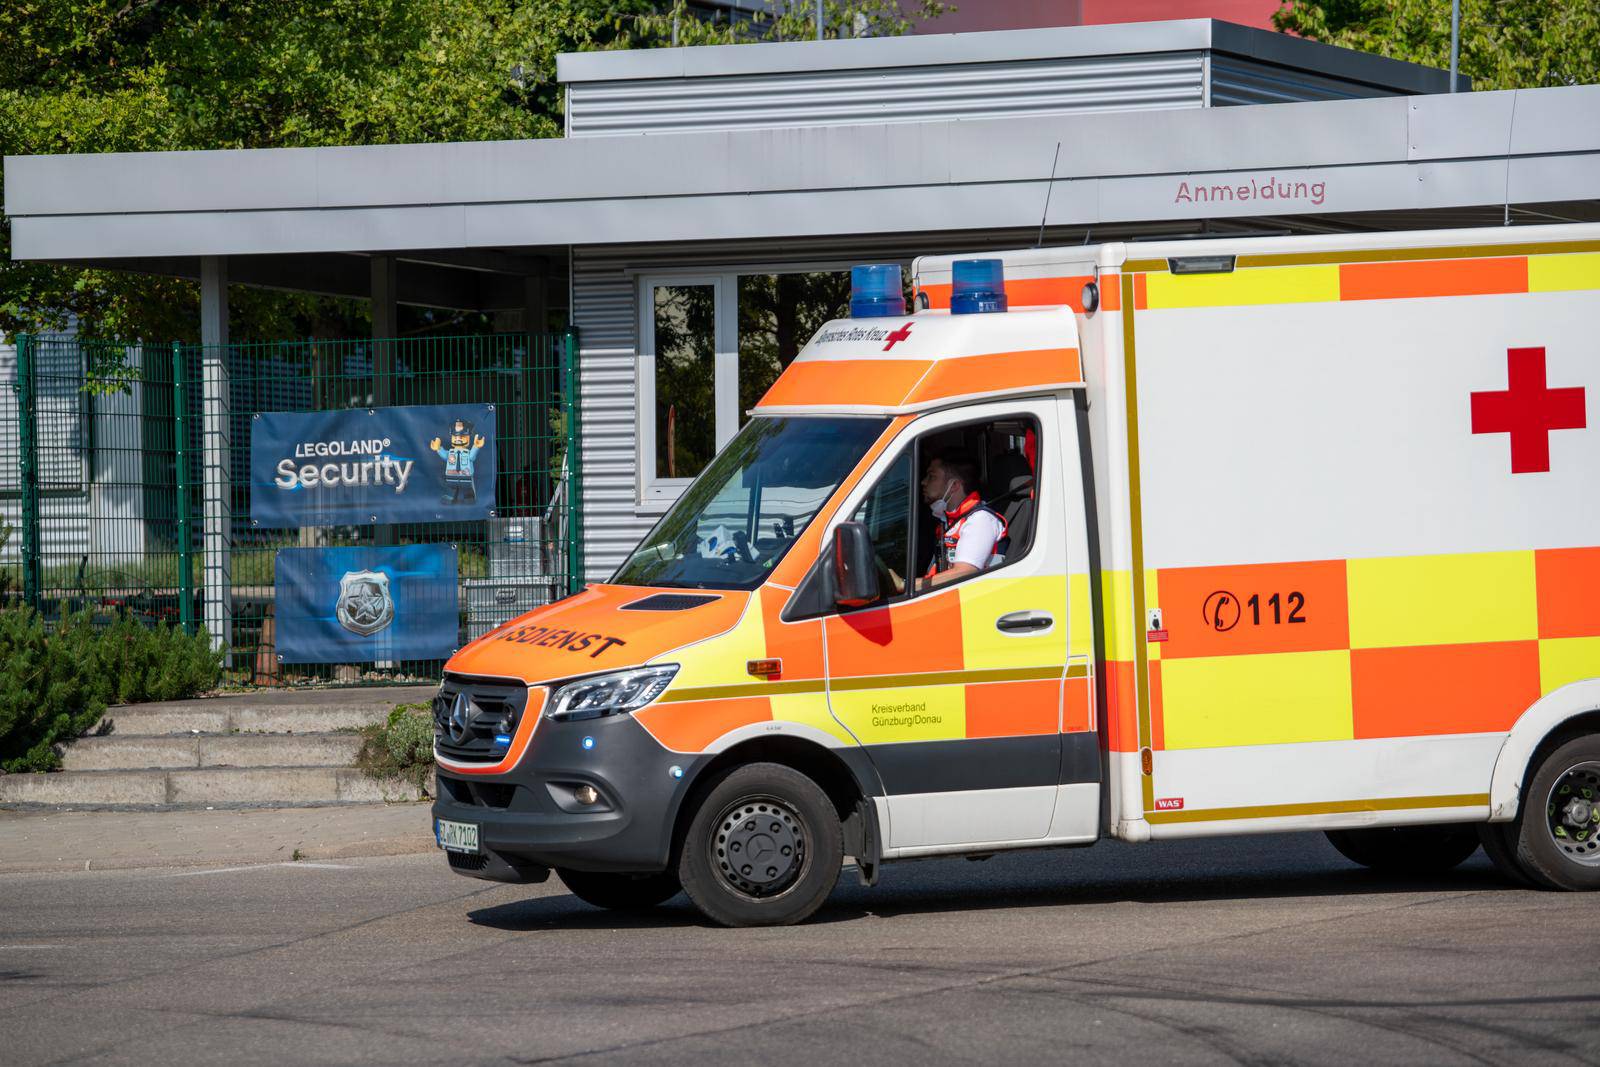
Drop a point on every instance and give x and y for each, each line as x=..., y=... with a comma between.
x=997, y=460
x=998, y=456
x=886, y=513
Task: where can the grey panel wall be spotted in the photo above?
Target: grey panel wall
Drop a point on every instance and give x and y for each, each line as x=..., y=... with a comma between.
x=603, y=309
x=912, y=94
x=1243, y=81
x=965, y=91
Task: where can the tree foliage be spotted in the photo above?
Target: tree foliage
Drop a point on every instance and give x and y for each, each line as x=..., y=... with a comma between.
x=166, y=75
x=1505, y=44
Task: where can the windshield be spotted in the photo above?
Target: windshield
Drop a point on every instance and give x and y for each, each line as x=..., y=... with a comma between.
x=736, y=521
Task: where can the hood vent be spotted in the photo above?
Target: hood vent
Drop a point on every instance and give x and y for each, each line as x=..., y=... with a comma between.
x=670, y=602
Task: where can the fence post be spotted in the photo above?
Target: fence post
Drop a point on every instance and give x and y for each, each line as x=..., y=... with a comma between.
x=574, y=494
x=28, y=467
x=180, y=432
x=217, y=496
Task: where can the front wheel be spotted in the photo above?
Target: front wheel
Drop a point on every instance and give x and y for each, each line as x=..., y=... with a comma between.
x=1407, y=849
x=1556, y=835
x=763, y=849
x=621, y=892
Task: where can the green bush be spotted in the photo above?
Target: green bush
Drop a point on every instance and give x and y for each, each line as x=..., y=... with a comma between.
x=56, y=682
x=402, y=747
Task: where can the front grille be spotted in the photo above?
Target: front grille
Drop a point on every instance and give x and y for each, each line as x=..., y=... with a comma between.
x=497, y=795
x=492, y=707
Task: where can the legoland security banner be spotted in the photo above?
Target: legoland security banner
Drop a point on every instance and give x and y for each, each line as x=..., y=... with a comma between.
x=367, y=604
x=429, y=463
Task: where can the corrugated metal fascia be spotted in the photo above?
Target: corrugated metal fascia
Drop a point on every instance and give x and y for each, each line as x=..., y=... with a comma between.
x=827, y=98
x=1236, y=81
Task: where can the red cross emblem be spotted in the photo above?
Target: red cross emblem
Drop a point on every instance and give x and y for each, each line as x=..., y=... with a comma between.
x=1528, y=411
x=902, y=334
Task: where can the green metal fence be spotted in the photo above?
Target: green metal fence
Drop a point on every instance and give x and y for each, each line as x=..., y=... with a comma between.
x=126, y=483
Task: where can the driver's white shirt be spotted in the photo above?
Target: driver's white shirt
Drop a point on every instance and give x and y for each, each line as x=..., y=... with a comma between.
x=975, y=543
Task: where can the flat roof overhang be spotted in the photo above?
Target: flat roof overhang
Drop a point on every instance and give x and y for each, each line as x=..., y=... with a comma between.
x=1002, y=46
x=1422, y=153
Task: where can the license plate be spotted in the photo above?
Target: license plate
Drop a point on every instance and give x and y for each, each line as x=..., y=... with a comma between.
x=456, y=836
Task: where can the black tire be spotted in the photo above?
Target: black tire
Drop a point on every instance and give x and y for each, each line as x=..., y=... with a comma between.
x=621, y=892
x=1501, y=848
x=1556, y=833
x=1407, y=849
x=763, y=848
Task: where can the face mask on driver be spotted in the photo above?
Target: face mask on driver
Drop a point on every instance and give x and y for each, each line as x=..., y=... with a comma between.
x=939, y=508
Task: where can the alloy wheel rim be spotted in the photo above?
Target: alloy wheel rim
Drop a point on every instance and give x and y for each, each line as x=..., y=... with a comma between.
x=1572, y=814
x=759, y=847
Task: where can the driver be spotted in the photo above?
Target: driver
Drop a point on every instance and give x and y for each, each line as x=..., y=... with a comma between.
x=969, y=534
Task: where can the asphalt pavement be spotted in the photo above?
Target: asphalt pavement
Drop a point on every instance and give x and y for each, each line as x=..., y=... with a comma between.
x=1252, y=950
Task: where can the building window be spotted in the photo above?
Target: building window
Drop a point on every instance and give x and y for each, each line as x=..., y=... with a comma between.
x=685, y=336
x=778, y=313
x=711, y=345
x=688, y=371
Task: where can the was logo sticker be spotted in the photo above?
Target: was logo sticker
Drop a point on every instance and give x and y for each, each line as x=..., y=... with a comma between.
x=1169, y=803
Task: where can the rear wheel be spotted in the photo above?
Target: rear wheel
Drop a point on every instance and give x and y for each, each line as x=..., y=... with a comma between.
x=1557, y=832
x=1407, y=849
x=621, y=892
x=763, y=848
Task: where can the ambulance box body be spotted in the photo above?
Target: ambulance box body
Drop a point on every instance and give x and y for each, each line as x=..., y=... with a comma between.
x=1301, y=533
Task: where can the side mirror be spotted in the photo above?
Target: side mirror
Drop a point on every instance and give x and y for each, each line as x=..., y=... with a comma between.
x=855, y=567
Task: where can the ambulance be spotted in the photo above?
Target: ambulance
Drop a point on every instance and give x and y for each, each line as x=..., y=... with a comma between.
x=1299, y=533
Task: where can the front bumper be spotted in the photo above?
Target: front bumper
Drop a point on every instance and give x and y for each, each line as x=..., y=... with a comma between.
x=529, y=821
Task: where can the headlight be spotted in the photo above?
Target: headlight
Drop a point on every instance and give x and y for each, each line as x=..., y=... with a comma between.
x=610, y=694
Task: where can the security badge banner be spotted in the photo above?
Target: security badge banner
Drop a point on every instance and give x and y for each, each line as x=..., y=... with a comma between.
x=367, y=604
x=427, y=463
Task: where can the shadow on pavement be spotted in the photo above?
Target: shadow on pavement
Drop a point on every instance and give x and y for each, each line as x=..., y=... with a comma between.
x=889, y=900
x=1172, y=874
x=567, y=912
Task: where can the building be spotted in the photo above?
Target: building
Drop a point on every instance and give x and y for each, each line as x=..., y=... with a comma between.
x=697, y=219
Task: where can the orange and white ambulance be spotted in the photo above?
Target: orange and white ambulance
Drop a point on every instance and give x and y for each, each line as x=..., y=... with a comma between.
x=1299, y=534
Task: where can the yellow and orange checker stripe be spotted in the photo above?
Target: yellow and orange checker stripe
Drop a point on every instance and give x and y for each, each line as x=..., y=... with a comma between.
x=1384, y=275
x=1390, y=647
x=964, y=678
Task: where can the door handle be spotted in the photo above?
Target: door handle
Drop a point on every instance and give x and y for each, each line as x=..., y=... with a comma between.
x=1021, y=622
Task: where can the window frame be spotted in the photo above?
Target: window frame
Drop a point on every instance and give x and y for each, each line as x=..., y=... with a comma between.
x=655, y=492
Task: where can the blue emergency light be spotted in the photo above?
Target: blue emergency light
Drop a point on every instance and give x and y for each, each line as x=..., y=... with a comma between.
x=977, y=286
x=875, y=291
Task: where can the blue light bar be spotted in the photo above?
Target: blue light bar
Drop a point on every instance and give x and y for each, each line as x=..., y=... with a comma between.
x=875, y=291
x=977, y=286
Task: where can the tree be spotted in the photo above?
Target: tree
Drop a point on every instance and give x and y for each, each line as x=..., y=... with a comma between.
x=164, y=75
x=1505, y=44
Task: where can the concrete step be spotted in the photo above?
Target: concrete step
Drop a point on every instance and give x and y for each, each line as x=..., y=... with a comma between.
x=201, y=787
x=305, y=711
x=115, y=752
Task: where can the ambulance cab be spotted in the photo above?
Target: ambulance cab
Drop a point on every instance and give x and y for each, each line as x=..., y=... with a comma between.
x=773, y=680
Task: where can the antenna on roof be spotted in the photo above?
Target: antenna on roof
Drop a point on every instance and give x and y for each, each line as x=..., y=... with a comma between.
x=1047, y=190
